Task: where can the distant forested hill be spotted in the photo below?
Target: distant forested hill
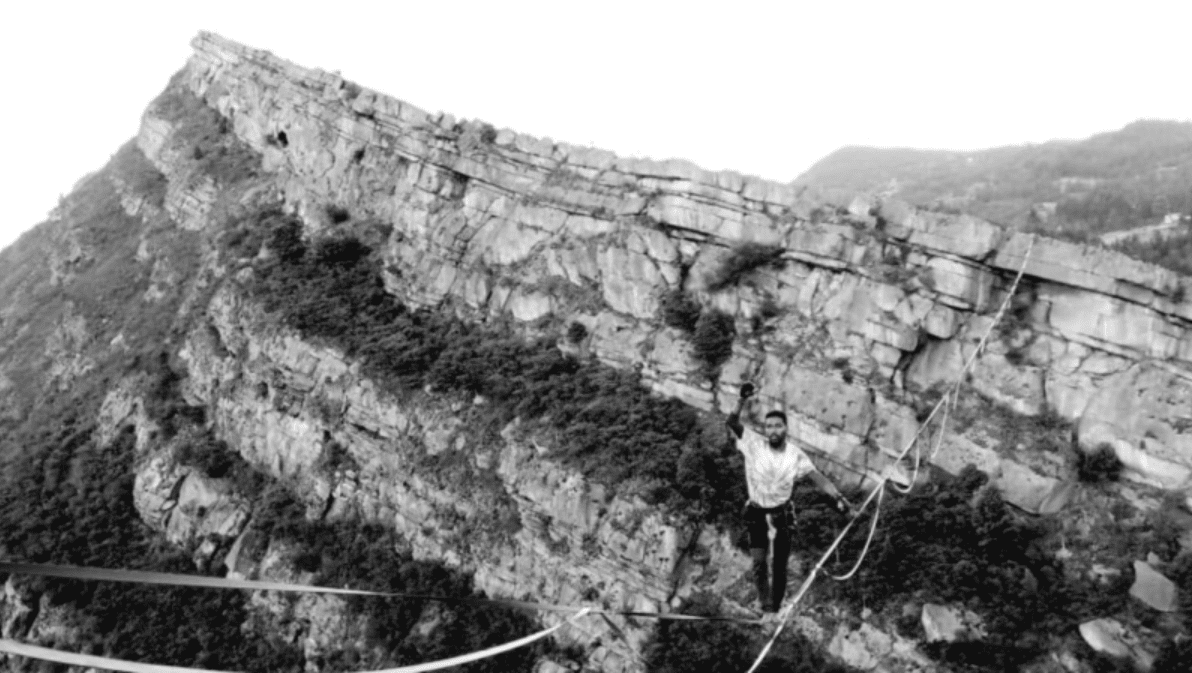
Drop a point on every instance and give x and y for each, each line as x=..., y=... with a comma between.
x=1116, y=180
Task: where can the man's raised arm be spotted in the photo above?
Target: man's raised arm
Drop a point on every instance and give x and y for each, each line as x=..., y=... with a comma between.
x=734, y=419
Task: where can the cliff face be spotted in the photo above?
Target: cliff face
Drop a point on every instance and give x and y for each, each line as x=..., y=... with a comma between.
x=504, y=224
x=868, y=309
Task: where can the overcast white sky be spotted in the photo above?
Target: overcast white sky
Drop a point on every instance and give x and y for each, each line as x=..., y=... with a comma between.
x=762, y=88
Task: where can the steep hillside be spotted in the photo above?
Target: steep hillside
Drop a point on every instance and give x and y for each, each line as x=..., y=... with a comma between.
x=299, y=330
x=1116, y=180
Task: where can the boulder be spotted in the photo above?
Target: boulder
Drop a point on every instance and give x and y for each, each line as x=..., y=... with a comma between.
x=1024, y=488
x=1152, y=588
x=863, y=648
x=941, y=623
x=1108, y=636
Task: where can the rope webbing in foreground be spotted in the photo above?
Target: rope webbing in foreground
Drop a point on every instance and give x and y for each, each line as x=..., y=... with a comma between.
x=92, y=661
x=176, y=579
x=949, y=399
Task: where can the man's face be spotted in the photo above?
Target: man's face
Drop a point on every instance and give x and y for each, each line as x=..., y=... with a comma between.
x=775, y=430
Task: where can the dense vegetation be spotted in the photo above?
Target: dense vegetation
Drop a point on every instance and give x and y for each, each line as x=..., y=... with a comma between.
x=678, y=309
x=605, y=422
x=72, y=504
x=710, y=331
x=1174, y=253
x=955, y=542
x=370, y=556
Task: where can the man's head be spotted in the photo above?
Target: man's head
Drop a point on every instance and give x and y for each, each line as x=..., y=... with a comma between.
x=775, y=422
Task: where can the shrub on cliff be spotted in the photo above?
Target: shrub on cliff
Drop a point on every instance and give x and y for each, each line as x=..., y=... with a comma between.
x=212, y=457
x=713, y=340
x=285, y=235
x=340, y=251
x=740, y=261
x=679, y=309
x=1099, y=465
x=576, y=332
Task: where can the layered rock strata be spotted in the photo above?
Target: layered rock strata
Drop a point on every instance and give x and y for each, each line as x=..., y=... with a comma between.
x=872, y=299
x=524, y=525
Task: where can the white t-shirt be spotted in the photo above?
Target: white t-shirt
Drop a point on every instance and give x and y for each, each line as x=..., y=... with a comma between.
x=769, y=474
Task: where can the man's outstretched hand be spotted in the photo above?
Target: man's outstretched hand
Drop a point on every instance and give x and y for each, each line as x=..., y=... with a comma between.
x=747, y=390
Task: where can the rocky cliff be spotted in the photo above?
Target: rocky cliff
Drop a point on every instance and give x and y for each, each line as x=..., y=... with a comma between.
x=501, y=223
x=856, y=318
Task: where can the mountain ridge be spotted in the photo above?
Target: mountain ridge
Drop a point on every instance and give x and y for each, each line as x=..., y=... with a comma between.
x=1112, y=180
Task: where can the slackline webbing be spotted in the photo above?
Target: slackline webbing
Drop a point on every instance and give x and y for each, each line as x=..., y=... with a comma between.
x=948, y=399
x=176, y=579
x=107, y=663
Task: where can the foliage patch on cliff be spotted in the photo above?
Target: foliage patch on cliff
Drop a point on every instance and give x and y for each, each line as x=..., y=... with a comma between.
x=373, y=557
x=607, y=424
x=740, y=261
x=955, y=542
x=74, y=506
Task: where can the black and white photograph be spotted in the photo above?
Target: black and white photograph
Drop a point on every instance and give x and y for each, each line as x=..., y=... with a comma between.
x=619, y=337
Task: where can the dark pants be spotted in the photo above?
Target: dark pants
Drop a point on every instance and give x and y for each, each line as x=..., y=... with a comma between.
x=782, y=518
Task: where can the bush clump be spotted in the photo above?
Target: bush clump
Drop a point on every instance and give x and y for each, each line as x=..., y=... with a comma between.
x=285, y=235
x=1174, y=656
x=740, y=261
x=713, y=340
x=212, y=457
x=1099, y=465
x=679, y=310
x=576, y=332
x=337, y=214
